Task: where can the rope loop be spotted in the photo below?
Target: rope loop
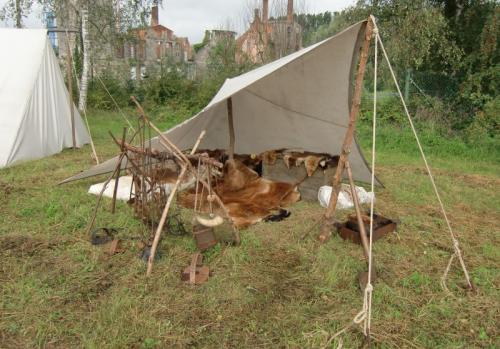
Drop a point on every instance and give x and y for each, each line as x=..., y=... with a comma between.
x=360, y=317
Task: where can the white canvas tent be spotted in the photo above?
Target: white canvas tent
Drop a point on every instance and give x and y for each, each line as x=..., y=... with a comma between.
x=35, y=119
x=301, y=101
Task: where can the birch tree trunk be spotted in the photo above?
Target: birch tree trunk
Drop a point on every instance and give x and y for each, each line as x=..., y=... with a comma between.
x=19, y=13
x=82, y=103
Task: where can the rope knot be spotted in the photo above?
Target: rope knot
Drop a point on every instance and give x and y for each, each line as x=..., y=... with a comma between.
x=375, y=31
x=369, y=288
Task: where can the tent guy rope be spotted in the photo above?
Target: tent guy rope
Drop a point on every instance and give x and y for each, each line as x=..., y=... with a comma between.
x=364, y=316
x=369, y=288
x=84, y=110
x=116, y=104
x=454, y=239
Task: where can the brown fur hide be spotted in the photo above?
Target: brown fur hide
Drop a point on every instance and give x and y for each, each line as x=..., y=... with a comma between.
x=247, y=197
x=311, y=162
x=269, y=157
x=252, y=161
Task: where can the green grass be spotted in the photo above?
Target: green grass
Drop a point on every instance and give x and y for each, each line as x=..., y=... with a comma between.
x=275, y=290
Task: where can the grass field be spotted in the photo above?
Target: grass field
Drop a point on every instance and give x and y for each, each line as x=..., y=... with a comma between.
x=275, y=290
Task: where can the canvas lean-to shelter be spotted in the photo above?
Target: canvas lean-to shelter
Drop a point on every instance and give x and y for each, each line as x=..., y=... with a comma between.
x=304, y=100
x=35, y=118
x=300, y=101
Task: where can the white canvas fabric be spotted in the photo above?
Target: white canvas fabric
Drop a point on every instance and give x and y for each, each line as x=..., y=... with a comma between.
x=35, y=118
x=301, y=101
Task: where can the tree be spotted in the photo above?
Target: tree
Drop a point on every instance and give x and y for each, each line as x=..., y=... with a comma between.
x=104, y=26
x=16, y=10
x=82, y=100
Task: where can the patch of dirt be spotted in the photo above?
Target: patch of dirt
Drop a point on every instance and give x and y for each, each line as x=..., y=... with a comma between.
x=23, y=245
x=278, y=273
x=92, y=288
x=8, y=189
x=9, y=339
x=475, y=180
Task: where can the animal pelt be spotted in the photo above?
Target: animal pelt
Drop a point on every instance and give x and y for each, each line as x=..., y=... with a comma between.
x=163, y=175
x=247, y=197
x=269, y=157
x=237, y=176
x=278, y=217
x=252, y=161
x=311, y=161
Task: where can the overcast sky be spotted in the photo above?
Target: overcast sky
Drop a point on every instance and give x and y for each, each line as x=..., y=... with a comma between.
x=192, y=17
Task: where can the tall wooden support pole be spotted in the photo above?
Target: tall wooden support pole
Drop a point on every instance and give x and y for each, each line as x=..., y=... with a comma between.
x=69, y=72
x=231, y=127
x=346, y=146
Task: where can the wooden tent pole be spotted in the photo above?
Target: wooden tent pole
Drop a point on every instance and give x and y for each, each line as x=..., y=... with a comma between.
x=346, y=146
x=70, y=90
x=231, y=127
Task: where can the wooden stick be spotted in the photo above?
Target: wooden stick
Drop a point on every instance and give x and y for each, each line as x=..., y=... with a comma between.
x=159, y=229
x=356, y=101
x=115, y=190
x=166, y=142
x=231, y=127
x=355, y=199
x=217, y=197
x=118, y=165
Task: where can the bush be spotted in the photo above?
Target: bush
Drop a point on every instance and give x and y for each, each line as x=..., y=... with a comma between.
x=389, y=108
x=99, y=98
x=486, y=122
x=432, y=118
x=171, y=91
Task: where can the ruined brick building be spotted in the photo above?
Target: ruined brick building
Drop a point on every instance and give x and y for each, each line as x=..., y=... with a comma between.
x=155, y=46
x=212, y=38
x=146, y=50
x=270, y=39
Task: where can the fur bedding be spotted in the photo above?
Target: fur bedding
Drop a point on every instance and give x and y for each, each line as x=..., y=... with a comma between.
x=248, y=197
